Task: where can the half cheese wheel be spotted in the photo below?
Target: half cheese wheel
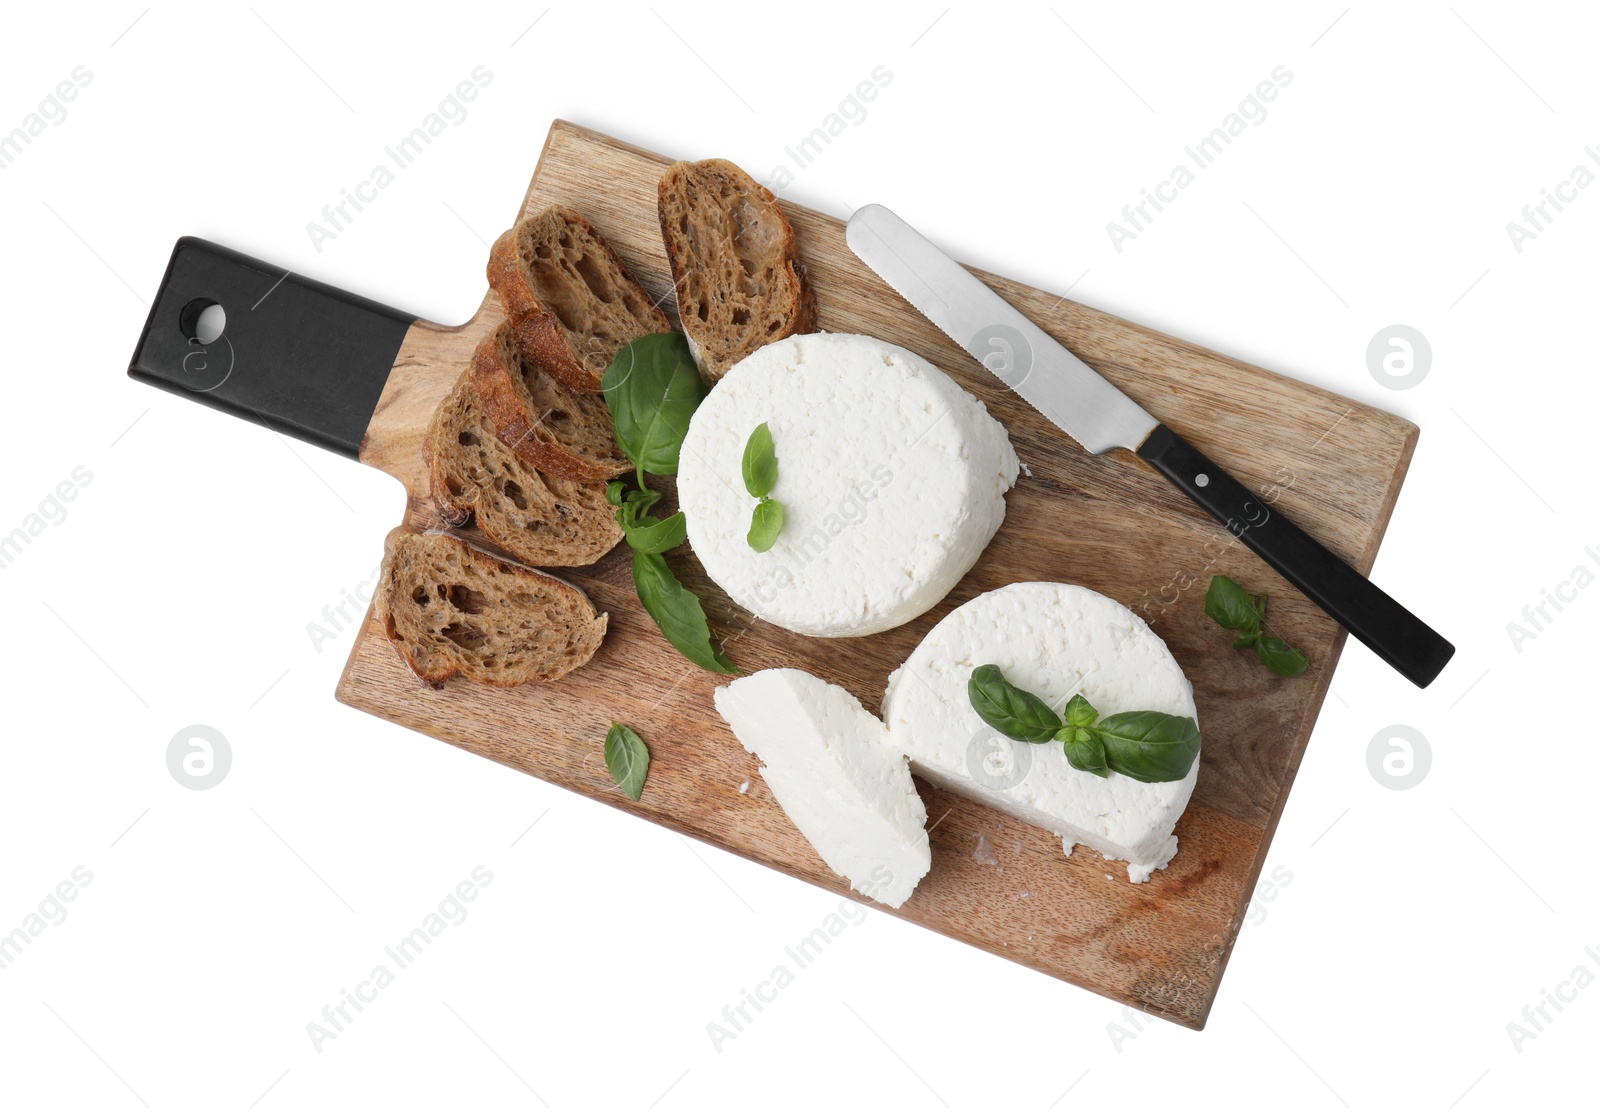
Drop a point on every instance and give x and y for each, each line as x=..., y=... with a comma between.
x=1054, y=640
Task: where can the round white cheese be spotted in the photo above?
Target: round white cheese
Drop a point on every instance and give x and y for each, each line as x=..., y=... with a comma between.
x=892, y=478
x=830, y=767
x=1054, y=640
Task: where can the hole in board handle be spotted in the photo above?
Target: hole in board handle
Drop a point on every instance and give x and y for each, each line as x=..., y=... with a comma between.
x=202, y=321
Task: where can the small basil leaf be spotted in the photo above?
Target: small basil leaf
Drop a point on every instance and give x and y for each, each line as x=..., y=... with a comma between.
x=1009, y=709
x=1150, y=747
x=1280, y=658
x=1085, y=751
x=677, y=612
x=760, y=462
x=1079, y=713
x=1248, y=640
x=627, y=759
x=766, y=521
x=614, y=493
x=631, y=512
x=1229, y=605
x=641, y=500
x=653, y=535
x=652, y=389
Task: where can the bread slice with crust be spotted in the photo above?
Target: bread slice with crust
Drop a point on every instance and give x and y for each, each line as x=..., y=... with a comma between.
x=542, y=520
x=573, y=301
x=548, y=425
x=450, y=609
x=735, y=264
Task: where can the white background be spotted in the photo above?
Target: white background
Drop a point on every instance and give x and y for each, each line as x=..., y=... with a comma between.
x=179, y=587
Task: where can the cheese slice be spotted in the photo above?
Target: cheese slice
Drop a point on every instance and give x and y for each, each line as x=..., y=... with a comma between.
x=829, y=765
x=1054, y=640
x=891, y=475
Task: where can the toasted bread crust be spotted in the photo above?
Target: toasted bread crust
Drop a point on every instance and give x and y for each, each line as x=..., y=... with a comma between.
x=568, y=351
x=548, y=425
x=735, y=263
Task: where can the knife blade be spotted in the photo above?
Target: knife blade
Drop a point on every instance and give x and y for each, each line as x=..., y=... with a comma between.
x=1100, y=417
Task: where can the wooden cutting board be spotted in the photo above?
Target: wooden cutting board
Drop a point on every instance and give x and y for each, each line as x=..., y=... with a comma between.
x=1109, y=523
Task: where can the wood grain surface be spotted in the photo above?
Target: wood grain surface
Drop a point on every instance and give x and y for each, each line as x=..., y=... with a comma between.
x=1106, y=522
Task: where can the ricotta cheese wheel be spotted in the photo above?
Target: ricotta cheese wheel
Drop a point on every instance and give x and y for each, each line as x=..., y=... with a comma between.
x=830, y=767
x=1054, y=640
x=892, y=478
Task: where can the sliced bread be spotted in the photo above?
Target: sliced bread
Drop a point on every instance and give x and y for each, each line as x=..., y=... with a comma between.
x=450, y=609
x=572, y=299
x=542, y=520
x=735, y=264
x=548, y=425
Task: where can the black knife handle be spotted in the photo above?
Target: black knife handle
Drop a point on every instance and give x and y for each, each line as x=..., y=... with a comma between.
x=295, y=355
x=1372, y=616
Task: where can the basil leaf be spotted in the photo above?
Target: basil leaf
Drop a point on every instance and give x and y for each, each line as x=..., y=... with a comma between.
x=1085, y=750
x=652, y=389
x=677, y=613
x=1248, y=640
x=766, y=521
x=1280, y=658
x=1009, y=709
x=760, y=462
x=1229, y=605
x=1150, y=747
x=652, y=535
x=627, y=759
x=1079, y=713
x=614, y=493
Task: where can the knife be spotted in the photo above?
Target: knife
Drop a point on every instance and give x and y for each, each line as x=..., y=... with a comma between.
x=1099, y=417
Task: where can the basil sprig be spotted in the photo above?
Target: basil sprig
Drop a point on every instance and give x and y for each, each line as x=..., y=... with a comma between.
x=627, y=759
x=1231, y=606
x=1143, y=745
x=760, y=468
x=652, y=389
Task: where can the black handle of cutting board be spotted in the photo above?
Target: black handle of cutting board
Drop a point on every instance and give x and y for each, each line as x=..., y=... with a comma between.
x=295, y=355
x=1372, y=616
